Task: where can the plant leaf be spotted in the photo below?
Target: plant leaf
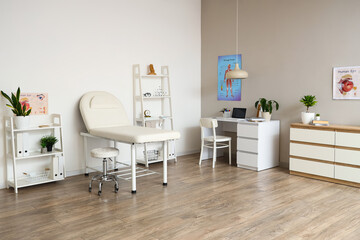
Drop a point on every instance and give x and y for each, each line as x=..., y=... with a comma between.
x=7, y=97
x=18, y=94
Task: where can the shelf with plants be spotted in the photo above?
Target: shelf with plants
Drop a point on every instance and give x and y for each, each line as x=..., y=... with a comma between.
x=23, y=143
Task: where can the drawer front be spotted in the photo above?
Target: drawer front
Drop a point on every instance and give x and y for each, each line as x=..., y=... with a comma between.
x=348, y=139
x=249, y=131
x=247, y=145
x=247, y=159
x=347, y=156
x=347, y=173
x=314, y=136
x=310, y=167
x=310, y=151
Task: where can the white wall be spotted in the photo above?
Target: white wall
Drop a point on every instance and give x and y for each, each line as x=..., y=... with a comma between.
x=67, y=48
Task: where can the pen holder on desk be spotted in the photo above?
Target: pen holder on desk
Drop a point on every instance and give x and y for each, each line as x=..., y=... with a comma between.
x=227, y=114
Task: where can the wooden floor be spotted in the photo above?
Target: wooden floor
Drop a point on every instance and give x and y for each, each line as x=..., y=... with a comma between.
x=199, y=203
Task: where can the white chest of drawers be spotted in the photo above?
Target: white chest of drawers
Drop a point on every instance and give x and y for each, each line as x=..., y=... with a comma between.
x=330, y=153
x=257, y=144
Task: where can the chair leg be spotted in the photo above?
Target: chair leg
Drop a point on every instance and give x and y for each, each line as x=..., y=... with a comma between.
x=230, y=152
x=201, y=152
x=214, y=155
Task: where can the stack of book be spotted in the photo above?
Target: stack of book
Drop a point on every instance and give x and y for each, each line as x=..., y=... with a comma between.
x=320, y=123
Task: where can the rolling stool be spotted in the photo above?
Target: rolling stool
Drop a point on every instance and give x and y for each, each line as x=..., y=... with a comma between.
x=104, y=153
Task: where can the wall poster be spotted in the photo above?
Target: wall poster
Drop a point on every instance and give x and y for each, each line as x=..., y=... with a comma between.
x=346, y=82
x=38, y=102
x=228, y=89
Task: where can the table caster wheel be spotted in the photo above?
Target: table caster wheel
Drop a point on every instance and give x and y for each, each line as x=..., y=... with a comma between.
x=89, y=189
x=99, y=193
x=86, y=174
x=116, y=189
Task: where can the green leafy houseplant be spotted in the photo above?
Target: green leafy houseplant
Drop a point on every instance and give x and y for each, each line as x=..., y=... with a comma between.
x=267, y=105
x=308, y=101
x=48, y=142
x=15, y=105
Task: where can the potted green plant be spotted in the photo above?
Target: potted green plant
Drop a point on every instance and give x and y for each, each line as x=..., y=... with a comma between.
x=267, y=107
x=308, y=101
x=317, y=117
x=43, y=146
x=48, y=142
x=21, y=110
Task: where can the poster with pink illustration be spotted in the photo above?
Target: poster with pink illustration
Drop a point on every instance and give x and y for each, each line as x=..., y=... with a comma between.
x=346, y=82
x=38, y=102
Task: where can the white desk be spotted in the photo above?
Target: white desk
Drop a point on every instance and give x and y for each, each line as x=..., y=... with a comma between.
x=257, y=144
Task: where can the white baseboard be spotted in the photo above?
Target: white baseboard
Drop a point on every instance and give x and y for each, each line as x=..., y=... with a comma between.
x=2, y=186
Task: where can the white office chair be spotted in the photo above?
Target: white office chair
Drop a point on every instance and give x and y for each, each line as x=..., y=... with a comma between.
x=213, y=141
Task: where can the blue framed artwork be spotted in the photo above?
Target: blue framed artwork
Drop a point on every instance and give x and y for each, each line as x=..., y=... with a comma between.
x=228, y=89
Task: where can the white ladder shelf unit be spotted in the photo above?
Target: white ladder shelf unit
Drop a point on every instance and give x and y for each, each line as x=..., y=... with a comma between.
x=165, y=113
x=19, y=163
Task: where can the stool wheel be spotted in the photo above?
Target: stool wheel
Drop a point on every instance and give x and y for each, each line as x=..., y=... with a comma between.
x=116, y=188
x=99, y=193
x=89, y=189
x=86, y=174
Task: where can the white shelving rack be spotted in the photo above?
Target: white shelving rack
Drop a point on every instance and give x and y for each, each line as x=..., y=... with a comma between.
x=16, y=165
x=163, y=119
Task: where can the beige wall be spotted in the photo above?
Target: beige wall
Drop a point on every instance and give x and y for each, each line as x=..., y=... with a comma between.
x=289, y=48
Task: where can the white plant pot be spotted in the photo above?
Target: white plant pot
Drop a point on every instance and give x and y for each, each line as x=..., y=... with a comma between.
x=307, y=118
x=317, y=118
x=227, y=114
x=266, y=116
x=22, y=122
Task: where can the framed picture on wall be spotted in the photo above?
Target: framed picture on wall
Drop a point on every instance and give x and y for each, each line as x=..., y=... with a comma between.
x=228, y=89
x=38, y=102
x=346, y=82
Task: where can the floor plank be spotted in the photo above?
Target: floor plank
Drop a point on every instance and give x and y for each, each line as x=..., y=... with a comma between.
x=198, y=203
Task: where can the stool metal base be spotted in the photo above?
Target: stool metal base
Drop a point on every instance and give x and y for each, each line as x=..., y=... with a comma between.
x=104, y=177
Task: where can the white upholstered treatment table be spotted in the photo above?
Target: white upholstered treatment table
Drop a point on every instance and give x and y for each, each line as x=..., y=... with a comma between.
x=105, y=118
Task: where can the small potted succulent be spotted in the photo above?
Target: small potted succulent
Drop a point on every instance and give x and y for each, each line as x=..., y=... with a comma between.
x=21, y=110
x=267, y=107
x=317, y=117
x=43, y=146
x=309, y=101
x=48, y=142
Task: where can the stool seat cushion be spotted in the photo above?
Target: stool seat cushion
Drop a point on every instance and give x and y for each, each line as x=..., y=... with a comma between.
x=105, y=152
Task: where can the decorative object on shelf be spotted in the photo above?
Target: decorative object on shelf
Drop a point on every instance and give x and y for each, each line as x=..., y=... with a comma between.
x=267, y=107
x=320, y=123
x=159, y=92
x=147, y=94
x=346, y=82
x=317, y=117
x=237, y=73
x=226, y=113
x=147, y=113
x=151, y=70
x=21, y=110
x=49, y=142
x=231, y=91
x=308, y=101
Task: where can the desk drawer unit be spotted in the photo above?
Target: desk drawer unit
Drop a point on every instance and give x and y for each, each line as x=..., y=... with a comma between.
x=311, y=167
x=247, y=160
x=247, y=131
x=332, y=152
x=312, y=136
x=247, y=145
x=312, y=151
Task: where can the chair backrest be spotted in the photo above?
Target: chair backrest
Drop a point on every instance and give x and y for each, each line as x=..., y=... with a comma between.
x=208, y=123
x=102, y=109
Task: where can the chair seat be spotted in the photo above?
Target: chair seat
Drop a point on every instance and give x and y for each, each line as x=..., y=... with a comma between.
x=218, y=138
x=105, y=152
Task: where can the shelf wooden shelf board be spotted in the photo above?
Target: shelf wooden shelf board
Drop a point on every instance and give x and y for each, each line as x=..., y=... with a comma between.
x=153, y=76
x=39, y=154
x=153, y=97
x=26, y=183
x=142, y=160
x=153, y=119
x=37, y=128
